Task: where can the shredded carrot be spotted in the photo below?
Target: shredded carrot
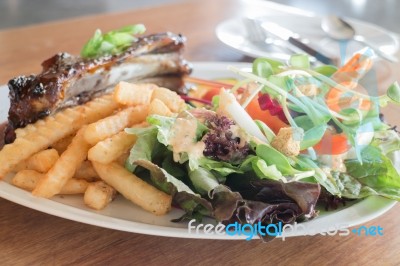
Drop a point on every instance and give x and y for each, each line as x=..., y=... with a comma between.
x=348, y=76
x=333, y=144
x=355, y=68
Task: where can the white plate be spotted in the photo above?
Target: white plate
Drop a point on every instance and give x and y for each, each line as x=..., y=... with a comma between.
x=233, y=33
x=125, y=216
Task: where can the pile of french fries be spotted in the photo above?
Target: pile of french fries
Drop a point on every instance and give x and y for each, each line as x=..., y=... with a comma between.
x=82, y=149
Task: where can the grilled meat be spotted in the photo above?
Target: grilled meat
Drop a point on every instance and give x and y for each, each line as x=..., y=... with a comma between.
x=68, y=80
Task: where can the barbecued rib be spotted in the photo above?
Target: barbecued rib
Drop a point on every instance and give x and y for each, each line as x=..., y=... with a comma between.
x=68, y=80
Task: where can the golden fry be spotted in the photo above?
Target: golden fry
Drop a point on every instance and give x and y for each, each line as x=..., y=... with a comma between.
x=28, y=179
x=171, y=99
x=98, y=195
x=74, y=186
x=110, y=149
x=134, y=188
x=111, y=125
x=122, y=159
x=63, y=143
x=52, y=129
x=65, y=167
x=158, y=107
x=133, y=94
x=86, y=172
x=40, y=162
x=30, y=128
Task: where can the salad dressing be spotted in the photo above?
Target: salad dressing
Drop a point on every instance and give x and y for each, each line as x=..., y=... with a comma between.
x=334, y=162
x=239, y=133
x=183, y=139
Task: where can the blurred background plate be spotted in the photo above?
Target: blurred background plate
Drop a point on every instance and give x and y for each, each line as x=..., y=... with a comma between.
x=233, y=33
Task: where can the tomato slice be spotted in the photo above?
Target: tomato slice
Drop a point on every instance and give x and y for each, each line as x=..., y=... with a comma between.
x=211, y=92
x=211, y=87
x=254, y=110
x=256, y=113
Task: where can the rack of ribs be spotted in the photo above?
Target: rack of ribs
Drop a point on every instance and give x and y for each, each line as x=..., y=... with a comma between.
x=68, y=80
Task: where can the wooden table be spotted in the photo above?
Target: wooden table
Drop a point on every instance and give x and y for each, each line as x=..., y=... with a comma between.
x=29, y=237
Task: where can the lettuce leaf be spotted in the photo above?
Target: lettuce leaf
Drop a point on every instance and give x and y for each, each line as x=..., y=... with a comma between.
x=327, y=181
x=225, y=168
x=144, y=146
x=183, y=196
x=352, y=188
x=375, y=176
x=203, y=180
x=267, y=171
x=282, y=163
x=387, y=141
x=164, y=125
x=265, y=201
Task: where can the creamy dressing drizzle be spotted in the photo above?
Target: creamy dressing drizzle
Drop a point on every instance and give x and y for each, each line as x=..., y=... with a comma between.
x=334, y=162
x=183, y=139
x=239, y=133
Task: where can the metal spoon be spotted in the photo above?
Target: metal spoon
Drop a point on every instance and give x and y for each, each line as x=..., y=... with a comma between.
x=340, y=30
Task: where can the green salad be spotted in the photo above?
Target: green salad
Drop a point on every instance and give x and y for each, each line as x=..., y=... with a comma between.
x=218, y=161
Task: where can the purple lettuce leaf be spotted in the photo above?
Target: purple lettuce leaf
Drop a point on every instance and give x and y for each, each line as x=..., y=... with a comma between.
x=265, y=201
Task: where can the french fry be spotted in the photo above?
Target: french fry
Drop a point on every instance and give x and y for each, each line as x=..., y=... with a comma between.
x=74, y=186
x=98, y=195
x=133, y=94
x=63, y=143
x=122, y=159
x=171, y=99
x=20, y=132
x=110, y=149
x=134, y=188
x=86, y=172
x=158, y=107
x=111, y=125
x=40, y=162
x=28, y=179
x=52, y=129
x=65, y=167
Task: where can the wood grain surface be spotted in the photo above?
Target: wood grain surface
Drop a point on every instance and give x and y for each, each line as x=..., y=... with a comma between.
x=29, y=237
